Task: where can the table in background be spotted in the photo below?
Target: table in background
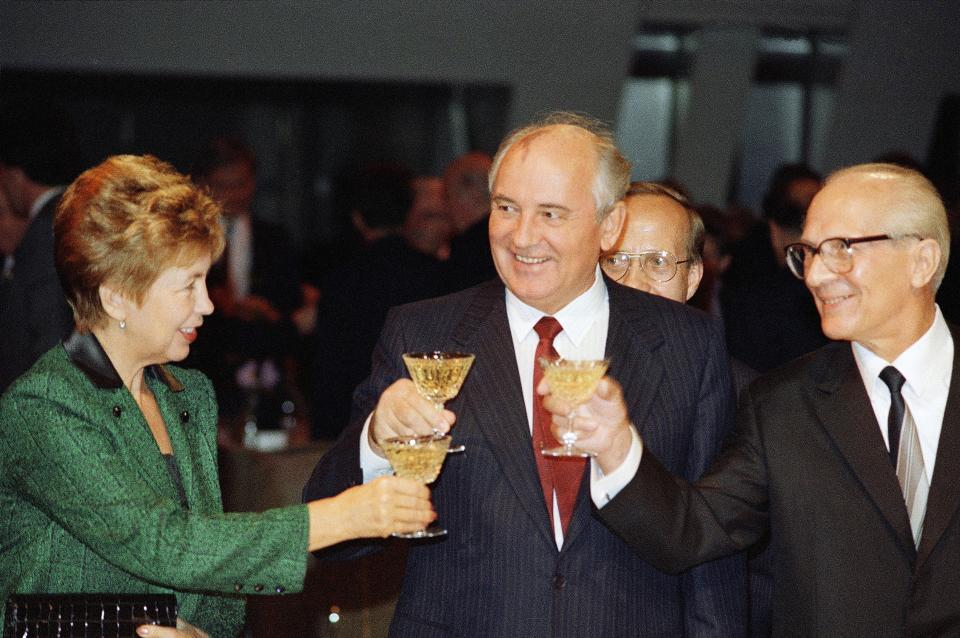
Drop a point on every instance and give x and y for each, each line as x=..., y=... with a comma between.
x=362, y=592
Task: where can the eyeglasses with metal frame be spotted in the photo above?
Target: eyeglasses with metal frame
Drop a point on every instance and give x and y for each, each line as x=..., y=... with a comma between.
x=658, y=265
x=836, y=252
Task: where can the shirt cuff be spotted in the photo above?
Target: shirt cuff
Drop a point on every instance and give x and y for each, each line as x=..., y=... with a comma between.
x=603, y=488
x=372, y=464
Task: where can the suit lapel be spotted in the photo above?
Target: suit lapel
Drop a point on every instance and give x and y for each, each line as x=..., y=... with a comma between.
x=944, y=498
x=631, y=344
x=844, y=410
x=495, y=399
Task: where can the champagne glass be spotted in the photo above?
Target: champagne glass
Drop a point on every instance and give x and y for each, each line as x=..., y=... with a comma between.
x=418, y=458
x=573, y=381
x=438, y=377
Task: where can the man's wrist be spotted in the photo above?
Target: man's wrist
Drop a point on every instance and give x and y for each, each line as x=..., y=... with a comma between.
x=614, y=456
x=371, y=441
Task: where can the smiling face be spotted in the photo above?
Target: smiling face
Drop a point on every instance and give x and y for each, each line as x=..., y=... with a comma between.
x=544, y=232
x=162, y=328
x=885, y=302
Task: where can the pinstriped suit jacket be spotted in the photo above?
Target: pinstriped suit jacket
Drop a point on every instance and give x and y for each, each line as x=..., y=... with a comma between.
x=87, y=504
x=498, y=572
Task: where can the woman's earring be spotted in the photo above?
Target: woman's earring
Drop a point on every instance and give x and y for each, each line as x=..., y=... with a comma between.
x=123, y=324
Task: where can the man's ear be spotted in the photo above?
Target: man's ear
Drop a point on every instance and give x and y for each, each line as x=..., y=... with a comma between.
x=926, y=259
x=113, y=302
x=694, y=275
x=612, y=225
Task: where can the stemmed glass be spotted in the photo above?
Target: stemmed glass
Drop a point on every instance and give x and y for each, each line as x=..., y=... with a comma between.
x=418, y=458
x=438, y=377
x=572, y=380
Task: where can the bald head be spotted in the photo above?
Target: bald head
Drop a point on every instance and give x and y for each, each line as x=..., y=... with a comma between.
x=659, y=220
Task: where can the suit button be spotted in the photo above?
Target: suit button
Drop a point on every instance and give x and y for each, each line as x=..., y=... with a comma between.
x=559, y=582
x=184, y=416
x=258, y=588
x=238, y=587
x=280, y=589
x=117, y=411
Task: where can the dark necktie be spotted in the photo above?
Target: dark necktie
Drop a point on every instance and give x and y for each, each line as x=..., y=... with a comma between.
x=894, y=380
x=562, y=475
x=908, y=458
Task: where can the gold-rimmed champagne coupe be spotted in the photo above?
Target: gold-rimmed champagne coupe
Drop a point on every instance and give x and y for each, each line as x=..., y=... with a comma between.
x=438, y=376
x=572, y=380
x=418, y=458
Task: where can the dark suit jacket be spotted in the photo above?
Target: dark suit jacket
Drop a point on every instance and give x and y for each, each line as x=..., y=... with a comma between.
x=34, y=314
x=759, y=559
x=809, y=462
x=498, y=572
x=87, y=504
x=273, y=270
x=354, y=303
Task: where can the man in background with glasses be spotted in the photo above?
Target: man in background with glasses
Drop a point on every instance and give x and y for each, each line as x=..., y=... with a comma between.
x=849, y=456
x=660, y=251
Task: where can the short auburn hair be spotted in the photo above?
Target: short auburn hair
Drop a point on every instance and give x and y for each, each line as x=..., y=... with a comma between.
x=124, y=222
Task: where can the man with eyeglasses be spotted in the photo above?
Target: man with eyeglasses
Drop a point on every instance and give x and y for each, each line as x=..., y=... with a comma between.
x=658, y=251
x=849, y=456
x=661, y=225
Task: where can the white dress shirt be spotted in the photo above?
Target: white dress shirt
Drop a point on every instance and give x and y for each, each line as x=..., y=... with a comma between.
x=240, y=256
x=585, y=321
x=927, y=366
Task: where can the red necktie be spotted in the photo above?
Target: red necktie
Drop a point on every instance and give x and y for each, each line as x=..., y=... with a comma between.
x=556, y=474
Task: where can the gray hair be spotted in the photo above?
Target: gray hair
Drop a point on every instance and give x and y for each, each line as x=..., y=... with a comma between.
x=917, y=208
x=613, y=169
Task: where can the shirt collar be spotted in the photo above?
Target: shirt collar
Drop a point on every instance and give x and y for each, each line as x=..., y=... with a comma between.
x=86, y=353
x=45, y=197
x=926, y=364
x=576, y=317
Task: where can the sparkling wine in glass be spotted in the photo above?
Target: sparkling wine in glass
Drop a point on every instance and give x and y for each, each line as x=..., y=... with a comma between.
x=418, y=458
x=438, y=376
x=572, y=380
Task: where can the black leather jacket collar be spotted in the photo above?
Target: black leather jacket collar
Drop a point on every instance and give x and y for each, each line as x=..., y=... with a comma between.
x=88, y=355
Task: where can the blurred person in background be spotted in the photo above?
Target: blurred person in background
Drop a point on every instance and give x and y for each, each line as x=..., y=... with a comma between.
x=36, y=156
x=109, y=453
x=428, y=226
x=357, y=293
x=468, y=204
x=716, y=259
x=255, y=285
x=769, y=317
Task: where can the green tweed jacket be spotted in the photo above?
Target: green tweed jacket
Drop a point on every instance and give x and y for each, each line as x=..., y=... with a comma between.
x=87, y=503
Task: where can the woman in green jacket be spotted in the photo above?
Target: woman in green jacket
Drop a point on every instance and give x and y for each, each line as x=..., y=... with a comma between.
x=109, y=458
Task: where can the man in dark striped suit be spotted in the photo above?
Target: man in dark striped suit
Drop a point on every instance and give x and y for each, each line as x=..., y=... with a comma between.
x=526, y=554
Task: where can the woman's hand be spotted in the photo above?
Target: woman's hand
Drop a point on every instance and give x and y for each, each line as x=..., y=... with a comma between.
x=376, y=509
x=182, y=630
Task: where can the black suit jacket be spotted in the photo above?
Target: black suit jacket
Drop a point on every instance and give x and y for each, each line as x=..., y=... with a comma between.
x=273, y=271
x=354, y=303
x=808, y=460
x=34, y=314
x=499, y=572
